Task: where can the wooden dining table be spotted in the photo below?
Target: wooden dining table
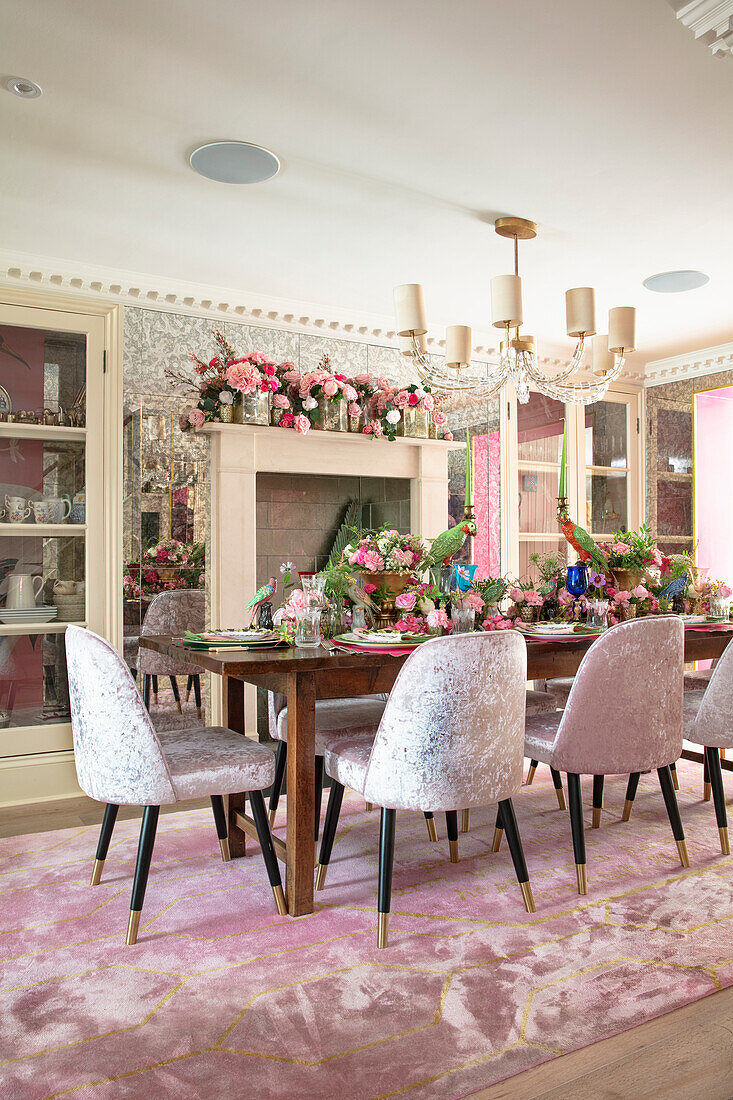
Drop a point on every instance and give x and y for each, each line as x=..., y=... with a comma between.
x=306, y=675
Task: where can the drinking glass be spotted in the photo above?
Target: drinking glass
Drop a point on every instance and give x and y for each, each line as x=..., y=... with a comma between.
x=358, y=619
x=314, y=587
x=577, y=579
x=597, y=614
x=308, y=628
x=463, y=619
x=719, y=607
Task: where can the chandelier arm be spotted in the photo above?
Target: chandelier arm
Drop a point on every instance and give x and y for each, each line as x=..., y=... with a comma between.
x=585, y=393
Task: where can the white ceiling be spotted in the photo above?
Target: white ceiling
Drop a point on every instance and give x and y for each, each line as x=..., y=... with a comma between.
x=404, y=127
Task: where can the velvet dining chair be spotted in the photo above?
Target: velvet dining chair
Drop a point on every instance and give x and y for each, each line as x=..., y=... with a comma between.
x=121, y=760
x=172, y=613
x=624, y=716
x=709, y=722
x=450, y=738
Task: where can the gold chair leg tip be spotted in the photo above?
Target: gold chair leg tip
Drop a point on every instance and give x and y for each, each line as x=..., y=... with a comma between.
x=465, y=821
x=432, y=831
x=321, y=870
x=226, y=855
x=627, y=809
x=498, y=834
x=561, y=800
x=581, y=872
x=132, y=926
x=724, y=841
x=596, y=817
x=706, y=792
x=675, y=781
x=682, y=849
x=369, y=806
x=382, y=926
x=279, y=895
x=271, y=817
x=97, y=872
x=528, y=897
x=453, y=846
x=199, y=713
x=530, y=776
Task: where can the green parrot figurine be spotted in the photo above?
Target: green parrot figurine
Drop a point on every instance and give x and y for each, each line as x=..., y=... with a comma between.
x=450, y=542
x=262, y=595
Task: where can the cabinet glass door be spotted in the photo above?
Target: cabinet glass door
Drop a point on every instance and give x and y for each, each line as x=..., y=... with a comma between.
x=51, y=494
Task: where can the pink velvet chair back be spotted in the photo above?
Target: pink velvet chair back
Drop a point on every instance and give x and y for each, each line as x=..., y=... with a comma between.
x=117, y=753
x=624, y=710
x=452, y=733
x=714, y=723
x=172, y=613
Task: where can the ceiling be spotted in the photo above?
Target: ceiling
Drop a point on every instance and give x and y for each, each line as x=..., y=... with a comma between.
x=404, y=128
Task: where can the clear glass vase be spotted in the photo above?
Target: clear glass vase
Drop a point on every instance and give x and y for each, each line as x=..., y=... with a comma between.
x=255, y=408
x=332, y=416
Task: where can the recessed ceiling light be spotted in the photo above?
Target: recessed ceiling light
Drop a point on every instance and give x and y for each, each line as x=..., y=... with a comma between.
x=26, y=89
x=234, y=162
x=674, y=282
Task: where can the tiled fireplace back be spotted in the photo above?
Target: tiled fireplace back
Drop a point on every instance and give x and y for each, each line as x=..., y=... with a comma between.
x=298, y=515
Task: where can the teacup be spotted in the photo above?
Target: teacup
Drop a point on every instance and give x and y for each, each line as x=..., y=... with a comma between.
x=44, y=511
x=61, y=508
x=18, y=509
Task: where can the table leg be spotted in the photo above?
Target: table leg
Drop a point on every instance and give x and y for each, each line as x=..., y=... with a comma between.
x=301, y=791
x=233, y=716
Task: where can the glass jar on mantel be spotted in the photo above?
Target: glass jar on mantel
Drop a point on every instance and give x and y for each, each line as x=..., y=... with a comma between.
x=332, y=415
x=246, y=408
x=414, y=423
x=357, y=423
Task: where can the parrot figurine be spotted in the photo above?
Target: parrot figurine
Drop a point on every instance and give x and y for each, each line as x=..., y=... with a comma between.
x=579, y=539
x=450, y=542
x=677, y=587
x=262, y=595
x=358, y=596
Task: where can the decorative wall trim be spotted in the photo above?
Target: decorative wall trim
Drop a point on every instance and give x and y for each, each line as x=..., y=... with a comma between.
x=131, y=288
x=691, y=364
x=709, y=20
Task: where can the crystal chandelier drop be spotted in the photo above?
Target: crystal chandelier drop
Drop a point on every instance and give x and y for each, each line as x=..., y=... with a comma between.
x=518, y=361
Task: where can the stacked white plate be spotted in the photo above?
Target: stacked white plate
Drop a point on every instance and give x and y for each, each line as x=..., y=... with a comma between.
x=20, y=615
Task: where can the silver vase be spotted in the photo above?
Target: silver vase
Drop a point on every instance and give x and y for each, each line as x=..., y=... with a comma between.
x=256, y=407
x=332, y=416
x=415, y=422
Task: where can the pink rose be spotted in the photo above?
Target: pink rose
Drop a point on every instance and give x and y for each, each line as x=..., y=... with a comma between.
x=402, y=399
x=413, y=399
x=373, y=561
x=533, y=598
x=384, y=383
x=448, y=436
x=516, y=594
x=472, y=602
x=287, y=420
x=330, y=387
x=302, y=424
x=353, y=409
x=196, y=418
x=640, y=592
x=376, y=428
x=244, y=379
x=428, y=402
x=622, y=598
x=292, y=377
x=367, y=429
x=350, y=393
x=369, y=588
x=620, y=548
x=406, y=601
x=362, y=379
x=437, y=618
x=439, y=419
x=280, y=401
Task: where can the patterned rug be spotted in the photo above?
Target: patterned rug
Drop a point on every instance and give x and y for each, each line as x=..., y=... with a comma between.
x=221, y=994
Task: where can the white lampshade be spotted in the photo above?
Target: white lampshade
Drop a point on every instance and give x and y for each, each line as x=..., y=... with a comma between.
x=457, y=345
x=622, y=328
x=580, y=311
x=409, y=303
x=603, y=359
x=506, y=301
x=406, y=344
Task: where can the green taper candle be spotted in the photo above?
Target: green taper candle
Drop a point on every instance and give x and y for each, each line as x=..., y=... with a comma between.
x=467, y=501
x=561, y=490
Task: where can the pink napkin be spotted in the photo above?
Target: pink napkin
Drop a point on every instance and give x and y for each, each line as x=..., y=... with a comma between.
x=378, y=649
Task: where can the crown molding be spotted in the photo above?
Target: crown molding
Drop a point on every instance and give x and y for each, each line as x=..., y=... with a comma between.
x=691, y=364
x=130, y=288
x=709, y=20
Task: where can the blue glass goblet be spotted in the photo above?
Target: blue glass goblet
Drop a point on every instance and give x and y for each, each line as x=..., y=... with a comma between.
x=577, y=582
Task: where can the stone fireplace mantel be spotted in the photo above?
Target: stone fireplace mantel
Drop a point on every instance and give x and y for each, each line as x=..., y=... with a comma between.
x=240, y=451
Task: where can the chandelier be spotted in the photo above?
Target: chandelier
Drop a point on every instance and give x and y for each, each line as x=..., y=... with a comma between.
x=518, y=360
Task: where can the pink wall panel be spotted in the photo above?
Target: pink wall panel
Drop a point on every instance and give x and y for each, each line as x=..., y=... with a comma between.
x=713, y=478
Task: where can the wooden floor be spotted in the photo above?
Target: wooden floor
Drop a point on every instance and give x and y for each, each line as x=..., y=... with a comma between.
x=681, y=1056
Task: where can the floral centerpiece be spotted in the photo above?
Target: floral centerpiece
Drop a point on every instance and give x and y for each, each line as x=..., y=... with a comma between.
x=527, y=601
x=164, y=567
x=389, y=561
x=630, y=554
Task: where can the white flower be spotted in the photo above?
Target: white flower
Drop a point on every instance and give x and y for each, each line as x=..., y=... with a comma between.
x=309, y=403
x=286, y=567
x=226, y=397
x=393, y=416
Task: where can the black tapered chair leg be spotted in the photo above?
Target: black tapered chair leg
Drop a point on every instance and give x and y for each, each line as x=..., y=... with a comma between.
x=530, y=772
x=430, y=822
x=146, y=690
x=631, y=789
x=281, y=761
x=716, y=779
x=576, y=822
x=673, y=812
x=451, y=826
x=318, y=795
x=675, y=780
x=597, y=800
x=259, y=813
x=189, y=685
x=498, y=830
x=557, y=780
x=105, y=835
x=142, y=868
x=155, y=689
x=220, y=820
x=386, y=865
x=705, y=779
x=197, y=694
x=176, y=693
x=330, y=825
x=514, y=841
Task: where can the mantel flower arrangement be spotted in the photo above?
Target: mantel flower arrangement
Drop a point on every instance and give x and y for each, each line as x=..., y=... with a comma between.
x=164, y=567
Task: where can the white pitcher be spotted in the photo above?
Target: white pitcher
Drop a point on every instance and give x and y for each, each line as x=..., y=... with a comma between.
x=22, y=591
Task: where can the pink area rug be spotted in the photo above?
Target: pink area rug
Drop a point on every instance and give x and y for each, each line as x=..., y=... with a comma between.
x=220, y=995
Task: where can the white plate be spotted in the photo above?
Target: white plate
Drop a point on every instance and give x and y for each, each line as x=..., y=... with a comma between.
x=42, y=617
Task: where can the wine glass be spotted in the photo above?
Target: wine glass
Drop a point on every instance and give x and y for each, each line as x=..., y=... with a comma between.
x=577, y=581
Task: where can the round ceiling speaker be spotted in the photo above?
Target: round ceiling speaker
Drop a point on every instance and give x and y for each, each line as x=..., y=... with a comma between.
x=234, y=162
x=674, y=282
